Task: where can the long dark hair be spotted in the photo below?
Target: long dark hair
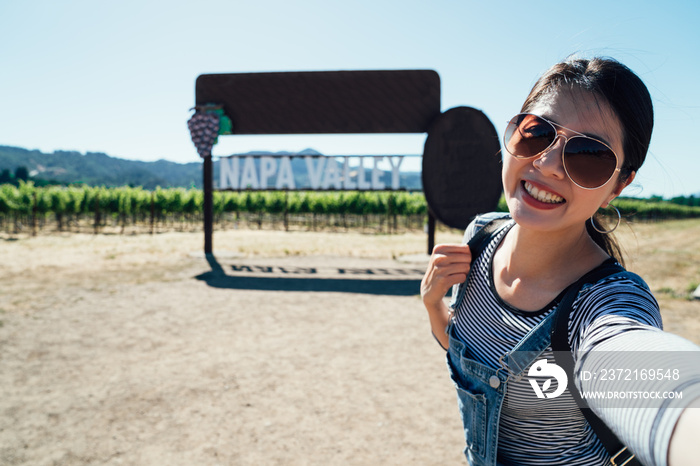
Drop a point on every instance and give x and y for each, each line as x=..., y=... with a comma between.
x=626, y=95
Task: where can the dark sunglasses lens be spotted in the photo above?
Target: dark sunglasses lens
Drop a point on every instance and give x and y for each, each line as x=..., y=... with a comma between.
x=528, y=135
x=588, y=162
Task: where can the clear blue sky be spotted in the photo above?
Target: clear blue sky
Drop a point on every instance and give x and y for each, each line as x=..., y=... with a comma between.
x=118, y=77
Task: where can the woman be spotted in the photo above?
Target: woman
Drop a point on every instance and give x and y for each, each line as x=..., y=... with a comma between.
x=582, y=134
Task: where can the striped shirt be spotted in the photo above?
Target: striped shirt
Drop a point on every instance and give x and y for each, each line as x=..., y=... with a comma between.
x=555, y=432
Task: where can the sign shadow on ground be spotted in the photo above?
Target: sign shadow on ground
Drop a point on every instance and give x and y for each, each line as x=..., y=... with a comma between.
x=349, y=283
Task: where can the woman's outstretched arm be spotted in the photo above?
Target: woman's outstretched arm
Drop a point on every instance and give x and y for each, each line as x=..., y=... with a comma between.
x=655, y=404
x=684, y=449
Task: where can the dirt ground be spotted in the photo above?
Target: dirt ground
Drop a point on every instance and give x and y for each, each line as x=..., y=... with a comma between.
x=285, y=349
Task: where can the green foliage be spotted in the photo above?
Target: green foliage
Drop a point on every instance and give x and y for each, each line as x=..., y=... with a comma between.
x=192, y=199
x=7, y=197
x=6, y=176
x=502, y=205
x=653, y=209
x=691, y=200
x=123, y=202
x=275, y=202
x=24, y=199
x=230, y=201
x=21, y=173
x=56, y=200
x=76, y=198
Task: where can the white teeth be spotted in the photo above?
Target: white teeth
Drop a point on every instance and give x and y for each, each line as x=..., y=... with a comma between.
x=541, y=195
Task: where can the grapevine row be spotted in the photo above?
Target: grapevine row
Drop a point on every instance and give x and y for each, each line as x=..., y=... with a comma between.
x=28, y=206
x=126, y=201
x=124, y=206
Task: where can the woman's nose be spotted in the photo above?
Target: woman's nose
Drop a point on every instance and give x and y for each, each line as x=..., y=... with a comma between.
x=550, y=161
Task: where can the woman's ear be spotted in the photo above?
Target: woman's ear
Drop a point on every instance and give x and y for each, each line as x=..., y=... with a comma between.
x=627, y=182
x=620, y=186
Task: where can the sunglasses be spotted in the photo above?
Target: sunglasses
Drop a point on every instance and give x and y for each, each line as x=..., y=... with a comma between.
x=588, y=162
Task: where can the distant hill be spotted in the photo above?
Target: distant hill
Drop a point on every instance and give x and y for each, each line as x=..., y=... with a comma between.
x=99, y=169
x=95, y=168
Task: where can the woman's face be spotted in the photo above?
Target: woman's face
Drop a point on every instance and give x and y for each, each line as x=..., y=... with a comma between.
x=527, y=181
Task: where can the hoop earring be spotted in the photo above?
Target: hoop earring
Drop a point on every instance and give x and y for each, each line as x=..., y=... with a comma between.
x=607, y=232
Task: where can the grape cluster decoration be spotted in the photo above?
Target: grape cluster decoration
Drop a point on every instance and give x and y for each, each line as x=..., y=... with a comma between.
x=204, y=129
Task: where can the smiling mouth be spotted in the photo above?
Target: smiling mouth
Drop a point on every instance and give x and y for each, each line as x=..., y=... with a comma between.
x=541, y=195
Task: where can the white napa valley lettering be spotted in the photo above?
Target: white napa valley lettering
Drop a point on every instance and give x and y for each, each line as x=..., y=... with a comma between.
x=249, y=177
x=395, y=173
x=314, y=167
x=228, y=173
x=362, y=183
x=348, y=183
x=332, y=178
x=327, y=173
x=285, y=177
x=377, y=183
x=268, y=167
x=231, y=176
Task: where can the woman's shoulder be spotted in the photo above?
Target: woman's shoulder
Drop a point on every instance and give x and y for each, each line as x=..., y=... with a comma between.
x=623, y=292
x=481, y=220
x=612, y=305
x=623, y=282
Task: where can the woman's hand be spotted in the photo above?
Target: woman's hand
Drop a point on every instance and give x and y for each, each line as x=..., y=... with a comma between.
x=448, y=266
x=684, y=449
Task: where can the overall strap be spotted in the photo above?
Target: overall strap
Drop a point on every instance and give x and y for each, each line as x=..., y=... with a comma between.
x=563, y=357
x=535, y=342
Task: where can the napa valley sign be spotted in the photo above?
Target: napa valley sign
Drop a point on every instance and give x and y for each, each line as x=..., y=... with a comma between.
x=353, y=173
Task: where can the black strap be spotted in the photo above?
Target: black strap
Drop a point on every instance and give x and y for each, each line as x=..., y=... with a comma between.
x=484, y=235
x=562, y=354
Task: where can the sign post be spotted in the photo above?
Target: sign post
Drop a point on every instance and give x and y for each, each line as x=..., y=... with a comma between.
x=208, y=205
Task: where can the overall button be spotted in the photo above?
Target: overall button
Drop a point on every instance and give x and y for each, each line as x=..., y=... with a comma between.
x=494, y=381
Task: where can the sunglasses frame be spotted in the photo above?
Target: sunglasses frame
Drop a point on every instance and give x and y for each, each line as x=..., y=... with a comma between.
x=563, y=151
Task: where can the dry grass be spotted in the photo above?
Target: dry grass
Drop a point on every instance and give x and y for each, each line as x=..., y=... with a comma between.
x=111, y=352
x=666, y=255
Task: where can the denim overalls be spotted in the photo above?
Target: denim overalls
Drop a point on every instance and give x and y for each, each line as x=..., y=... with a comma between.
x=481, y=389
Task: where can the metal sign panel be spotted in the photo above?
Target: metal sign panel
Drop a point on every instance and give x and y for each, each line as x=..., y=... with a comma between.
x=462, y=166
x=320, y=102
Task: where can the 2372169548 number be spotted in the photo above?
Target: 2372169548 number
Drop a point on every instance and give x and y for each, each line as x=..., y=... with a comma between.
x=637, y=374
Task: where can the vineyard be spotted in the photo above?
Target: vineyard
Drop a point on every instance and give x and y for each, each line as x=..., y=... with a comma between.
x=30, y=209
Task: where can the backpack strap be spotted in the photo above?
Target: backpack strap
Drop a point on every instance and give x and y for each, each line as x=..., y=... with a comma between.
x=563, y=357
x=477, y=243
x=485, y=232
x=484, y=235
